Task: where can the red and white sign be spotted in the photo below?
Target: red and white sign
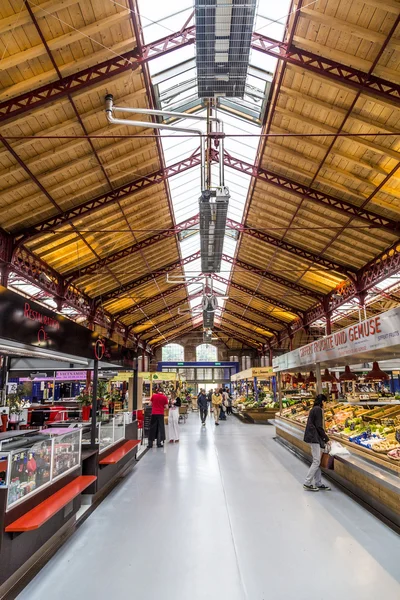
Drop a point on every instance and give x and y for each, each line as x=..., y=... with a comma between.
x=372, y=334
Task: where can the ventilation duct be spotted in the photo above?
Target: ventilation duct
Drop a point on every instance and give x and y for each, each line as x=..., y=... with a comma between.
x=223, y=36
x=213, y=209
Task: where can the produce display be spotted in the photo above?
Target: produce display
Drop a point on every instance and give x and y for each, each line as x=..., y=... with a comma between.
x=376, y=429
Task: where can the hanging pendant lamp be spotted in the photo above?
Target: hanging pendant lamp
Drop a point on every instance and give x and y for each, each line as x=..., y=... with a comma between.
x=347, y=375
x=376, y=374
x=327, y=377
x=311, y=378
x=295, y=381
x=300, y=378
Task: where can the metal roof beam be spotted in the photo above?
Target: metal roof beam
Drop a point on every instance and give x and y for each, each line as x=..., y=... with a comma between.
x=335, y=71
x=313, y=195
x=94, y=267
x=300, y=253
x=237, y=336
x=167, y=309
x=276, y=303
x=272, y=277
x=246, y=321
x=165, y=294
x=260, y=313
x=117, y=293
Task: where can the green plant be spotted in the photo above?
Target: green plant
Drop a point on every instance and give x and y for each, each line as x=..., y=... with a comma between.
x=102, y=389
x=15, y=401
x=84, y=398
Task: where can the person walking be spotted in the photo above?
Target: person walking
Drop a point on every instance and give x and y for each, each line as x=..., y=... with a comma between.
x=229, y=407
x=159, y=402
x=173, y=418
x=202, y=403
x=217, y=403
x=315, y=435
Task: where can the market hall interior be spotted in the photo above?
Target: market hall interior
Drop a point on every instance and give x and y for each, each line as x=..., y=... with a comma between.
x=223, y=515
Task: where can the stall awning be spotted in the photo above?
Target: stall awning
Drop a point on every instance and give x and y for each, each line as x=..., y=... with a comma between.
x=259, y=372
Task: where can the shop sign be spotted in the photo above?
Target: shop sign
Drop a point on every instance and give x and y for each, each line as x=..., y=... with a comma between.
x=262, y=371
x=372, y=334
x=71, y=375
x=30, y=323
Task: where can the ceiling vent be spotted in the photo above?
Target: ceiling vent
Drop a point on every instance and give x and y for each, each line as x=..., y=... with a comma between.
x=223, y=36
x=213, y=209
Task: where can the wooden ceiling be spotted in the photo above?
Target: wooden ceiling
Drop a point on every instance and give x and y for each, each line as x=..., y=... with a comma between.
x=58, y=156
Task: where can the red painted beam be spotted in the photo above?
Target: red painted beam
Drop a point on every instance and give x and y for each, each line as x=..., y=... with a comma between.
x=291, y=249
x=377, y=270
x=166, y=310
x=246, y=320
x=169, y=292
x=241, y=288
x=260, y=313
x=107, y=199
x=238, y=335
x=313, y=195
x=272, y=277
x=343, y=74
x=129, y=61
x=130, y=250
x=131, y=285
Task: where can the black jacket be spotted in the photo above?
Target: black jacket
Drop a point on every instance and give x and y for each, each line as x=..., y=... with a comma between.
x=202, y=401
x=315, y=432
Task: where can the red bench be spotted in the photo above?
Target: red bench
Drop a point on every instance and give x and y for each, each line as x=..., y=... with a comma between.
x=119, y=453
x=36, y=517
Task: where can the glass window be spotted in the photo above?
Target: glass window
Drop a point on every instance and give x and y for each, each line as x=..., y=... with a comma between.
x=173, y=352
x=206, y=352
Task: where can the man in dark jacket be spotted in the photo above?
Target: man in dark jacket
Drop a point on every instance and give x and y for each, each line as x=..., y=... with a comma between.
x=202, y=403
x=315, y=436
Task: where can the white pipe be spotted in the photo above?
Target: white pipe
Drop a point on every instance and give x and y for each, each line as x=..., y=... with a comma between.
x=110, y=108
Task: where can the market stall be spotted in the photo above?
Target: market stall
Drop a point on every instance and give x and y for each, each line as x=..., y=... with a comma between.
x=256, y=394
x=362, y=412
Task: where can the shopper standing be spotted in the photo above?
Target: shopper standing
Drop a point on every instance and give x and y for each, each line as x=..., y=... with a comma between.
x=159, y=402
x=209, y=398
x=202, y=403
x=229, y=398
x=217, y=403
x=173, y=418
x=315, y=435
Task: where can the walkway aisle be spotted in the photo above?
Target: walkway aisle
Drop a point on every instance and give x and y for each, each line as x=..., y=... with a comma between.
x=223, y=516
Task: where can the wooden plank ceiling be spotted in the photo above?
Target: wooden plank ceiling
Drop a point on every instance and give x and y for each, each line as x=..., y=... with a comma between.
x=40, y=178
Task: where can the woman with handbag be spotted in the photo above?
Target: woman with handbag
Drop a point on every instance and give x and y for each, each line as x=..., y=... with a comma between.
x=315, y=435
x=217, y=403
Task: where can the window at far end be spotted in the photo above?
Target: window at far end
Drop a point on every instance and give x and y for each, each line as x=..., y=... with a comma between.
x=173, y=352
x=206, y=353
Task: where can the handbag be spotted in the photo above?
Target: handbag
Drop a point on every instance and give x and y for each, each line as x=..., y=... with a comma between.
x=326, y=461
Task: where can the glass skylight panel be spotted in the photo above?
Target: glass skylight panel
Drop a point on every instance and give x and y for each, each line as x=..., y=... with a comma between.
x=160, y=18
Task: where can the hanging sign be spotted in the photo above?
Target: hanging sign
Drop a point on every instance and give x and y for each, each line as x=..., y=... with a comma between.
x=372, y=334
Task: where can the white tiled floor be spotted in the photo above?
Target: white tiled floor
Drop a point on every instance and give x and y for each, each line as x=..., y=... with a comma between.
x=223, y=515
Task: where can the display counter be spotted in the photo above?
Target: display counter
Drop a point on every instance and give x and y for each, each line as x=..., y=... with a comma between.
x=371, y=470
x=113, y=438
x=40, y=492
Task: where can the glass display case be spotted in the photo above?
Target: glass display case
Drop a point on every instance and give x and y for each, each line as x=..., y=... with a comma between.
x=37, y=461
x=67, y=452
x=109, y=432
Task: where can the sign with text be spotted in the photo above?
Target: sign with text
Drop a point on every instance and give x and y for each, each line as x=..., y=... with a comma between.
x=376, y=333
x=26, y=322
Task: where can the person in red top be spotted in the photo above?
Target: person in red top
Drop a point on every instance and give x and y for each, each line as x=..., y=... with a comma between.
x=157, y=428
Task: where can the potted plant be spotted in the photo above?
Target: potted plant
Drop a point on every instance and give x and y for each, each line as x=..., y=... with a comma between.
x=85, y=400
x=16, y=403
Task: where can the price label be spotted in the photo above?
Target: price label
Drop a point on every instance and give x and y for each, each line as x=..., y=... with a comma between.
x=368, y=432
